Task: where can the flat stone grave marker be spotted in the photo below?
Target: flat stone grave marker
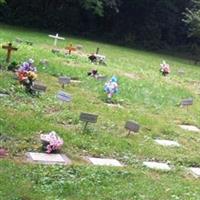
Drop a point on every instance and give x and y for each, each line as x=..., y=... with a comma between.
x=63, y=80
x=75, y=80
x=63, y=96
x=18, y=40
x=190, y=128
x=45, y=158
x=37, y=87
x=79, y=47
x=157, y=166
x=195, y=171
x=167, y=143
x=112, y=105
x=3, y=95
x=132, y=126
x=181, y=72
x=29, y=42
x=55, y=51
x=104, y=162
x=87, y=117
x=56, y=38
x=101, y=78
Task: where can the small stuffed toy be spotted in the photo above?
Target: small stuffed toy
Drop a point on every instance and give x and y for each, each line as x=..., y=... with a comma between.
x=165, y=68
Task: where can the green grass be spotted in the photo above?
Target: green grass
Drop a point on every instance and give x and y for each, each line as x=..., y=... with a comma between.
x=146, y=97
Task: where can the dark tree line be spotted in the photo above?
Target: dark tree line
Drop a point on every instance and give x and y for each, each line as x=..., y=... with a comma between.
x=149, y=23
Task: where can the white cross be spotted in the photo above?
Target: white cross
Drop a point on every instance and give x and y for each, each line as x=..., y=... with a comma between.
x=56, y=37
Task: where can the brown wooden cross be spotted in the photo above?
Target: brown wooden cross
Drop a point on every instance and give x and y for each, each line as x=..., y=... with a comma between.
x=9, y=48
x=70, y=48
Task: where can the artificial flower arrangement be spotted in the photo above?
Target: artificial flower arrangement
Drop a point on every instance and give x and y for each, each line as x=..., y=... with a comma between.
x=111, y=87
x=165, y=68
x=51, y=142
x=27, y=74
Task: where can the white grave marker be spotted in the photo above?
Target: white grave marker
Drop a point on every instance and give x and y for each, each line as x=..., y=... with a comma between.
x=105, y=162
x=157, y=165
x=195, y=171
x=48, y=158
x=169, y=143
x=190, y=128
x=56, y=38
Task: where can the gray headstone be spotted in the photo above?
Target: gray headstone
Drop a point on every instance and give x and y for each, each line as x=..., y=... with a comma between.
x=132, y=126
x=157, y=166
x=45, y=158
x=167, y=143
x=101, y=78
x=79, y=47
x=87, y=117
x=63, y=96
x=104, y=162
x=39, y=87
x=18, y=40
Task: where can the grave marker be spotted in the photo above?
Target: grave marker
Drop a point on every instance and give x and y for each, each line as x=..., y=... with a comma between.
x=87, y=117
x=101, y=78
x=132, y=126
x=104, y=162
x=63, y=80
x=190, y=128
x=79, y=47
x=181, y=72
x=70, y=49
x=9, y=49
x=63, y=96
x=186, y=102
x=157, y=166
x=195, y=171
x=18, y=40
x=169, y=143
x=38, y=87
x=55, y=51
x=45, y=158
x=56, y=38
x=29, y=43
x=97, y=51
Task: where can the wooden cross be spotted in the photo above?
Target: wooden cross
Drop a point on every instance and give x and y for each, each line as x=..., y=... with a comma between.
x=70, y=48
x=9, y=48
x=56, y=38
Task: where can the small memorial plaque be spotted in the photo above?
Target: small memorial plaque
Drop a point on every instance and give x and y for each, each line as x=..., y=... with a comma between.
x=38, y=87
x=48, y=158
x=63, y=96
x=63, y=80
x=105, y=162
x=86, y=117
x=101, y=78
x=132, y=126
x=187, y=102
x=157, y=166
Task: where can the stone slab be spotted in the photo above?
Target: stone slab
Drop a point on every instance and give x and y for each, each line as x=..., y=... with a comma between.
x=190, y=128
x=3, y=95
x=104, y=162
x=167, y=143
x=157, y=165
x=195, y=171
x=45, y=158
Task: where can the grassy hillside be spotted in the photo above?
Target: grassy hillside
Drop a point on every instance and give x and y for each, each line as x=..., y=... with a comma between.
x=145, y=96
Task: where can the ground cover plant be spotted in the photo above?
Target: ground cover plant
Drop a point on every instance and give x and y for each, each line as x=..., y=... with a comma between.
x=144, y=95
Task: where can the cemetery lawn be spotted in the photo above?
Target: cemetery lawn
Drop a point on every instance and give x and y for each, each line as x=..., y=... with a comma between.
x=145, y=96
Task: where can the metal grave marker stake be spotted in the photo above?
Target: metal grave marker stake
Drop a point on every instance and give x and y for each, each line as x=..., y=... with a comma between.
x=186, y=102
x=132, y=126
x=56, y=38
x=63, y=80
x=9, y=49
x=63, y=96
x=87, y=117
